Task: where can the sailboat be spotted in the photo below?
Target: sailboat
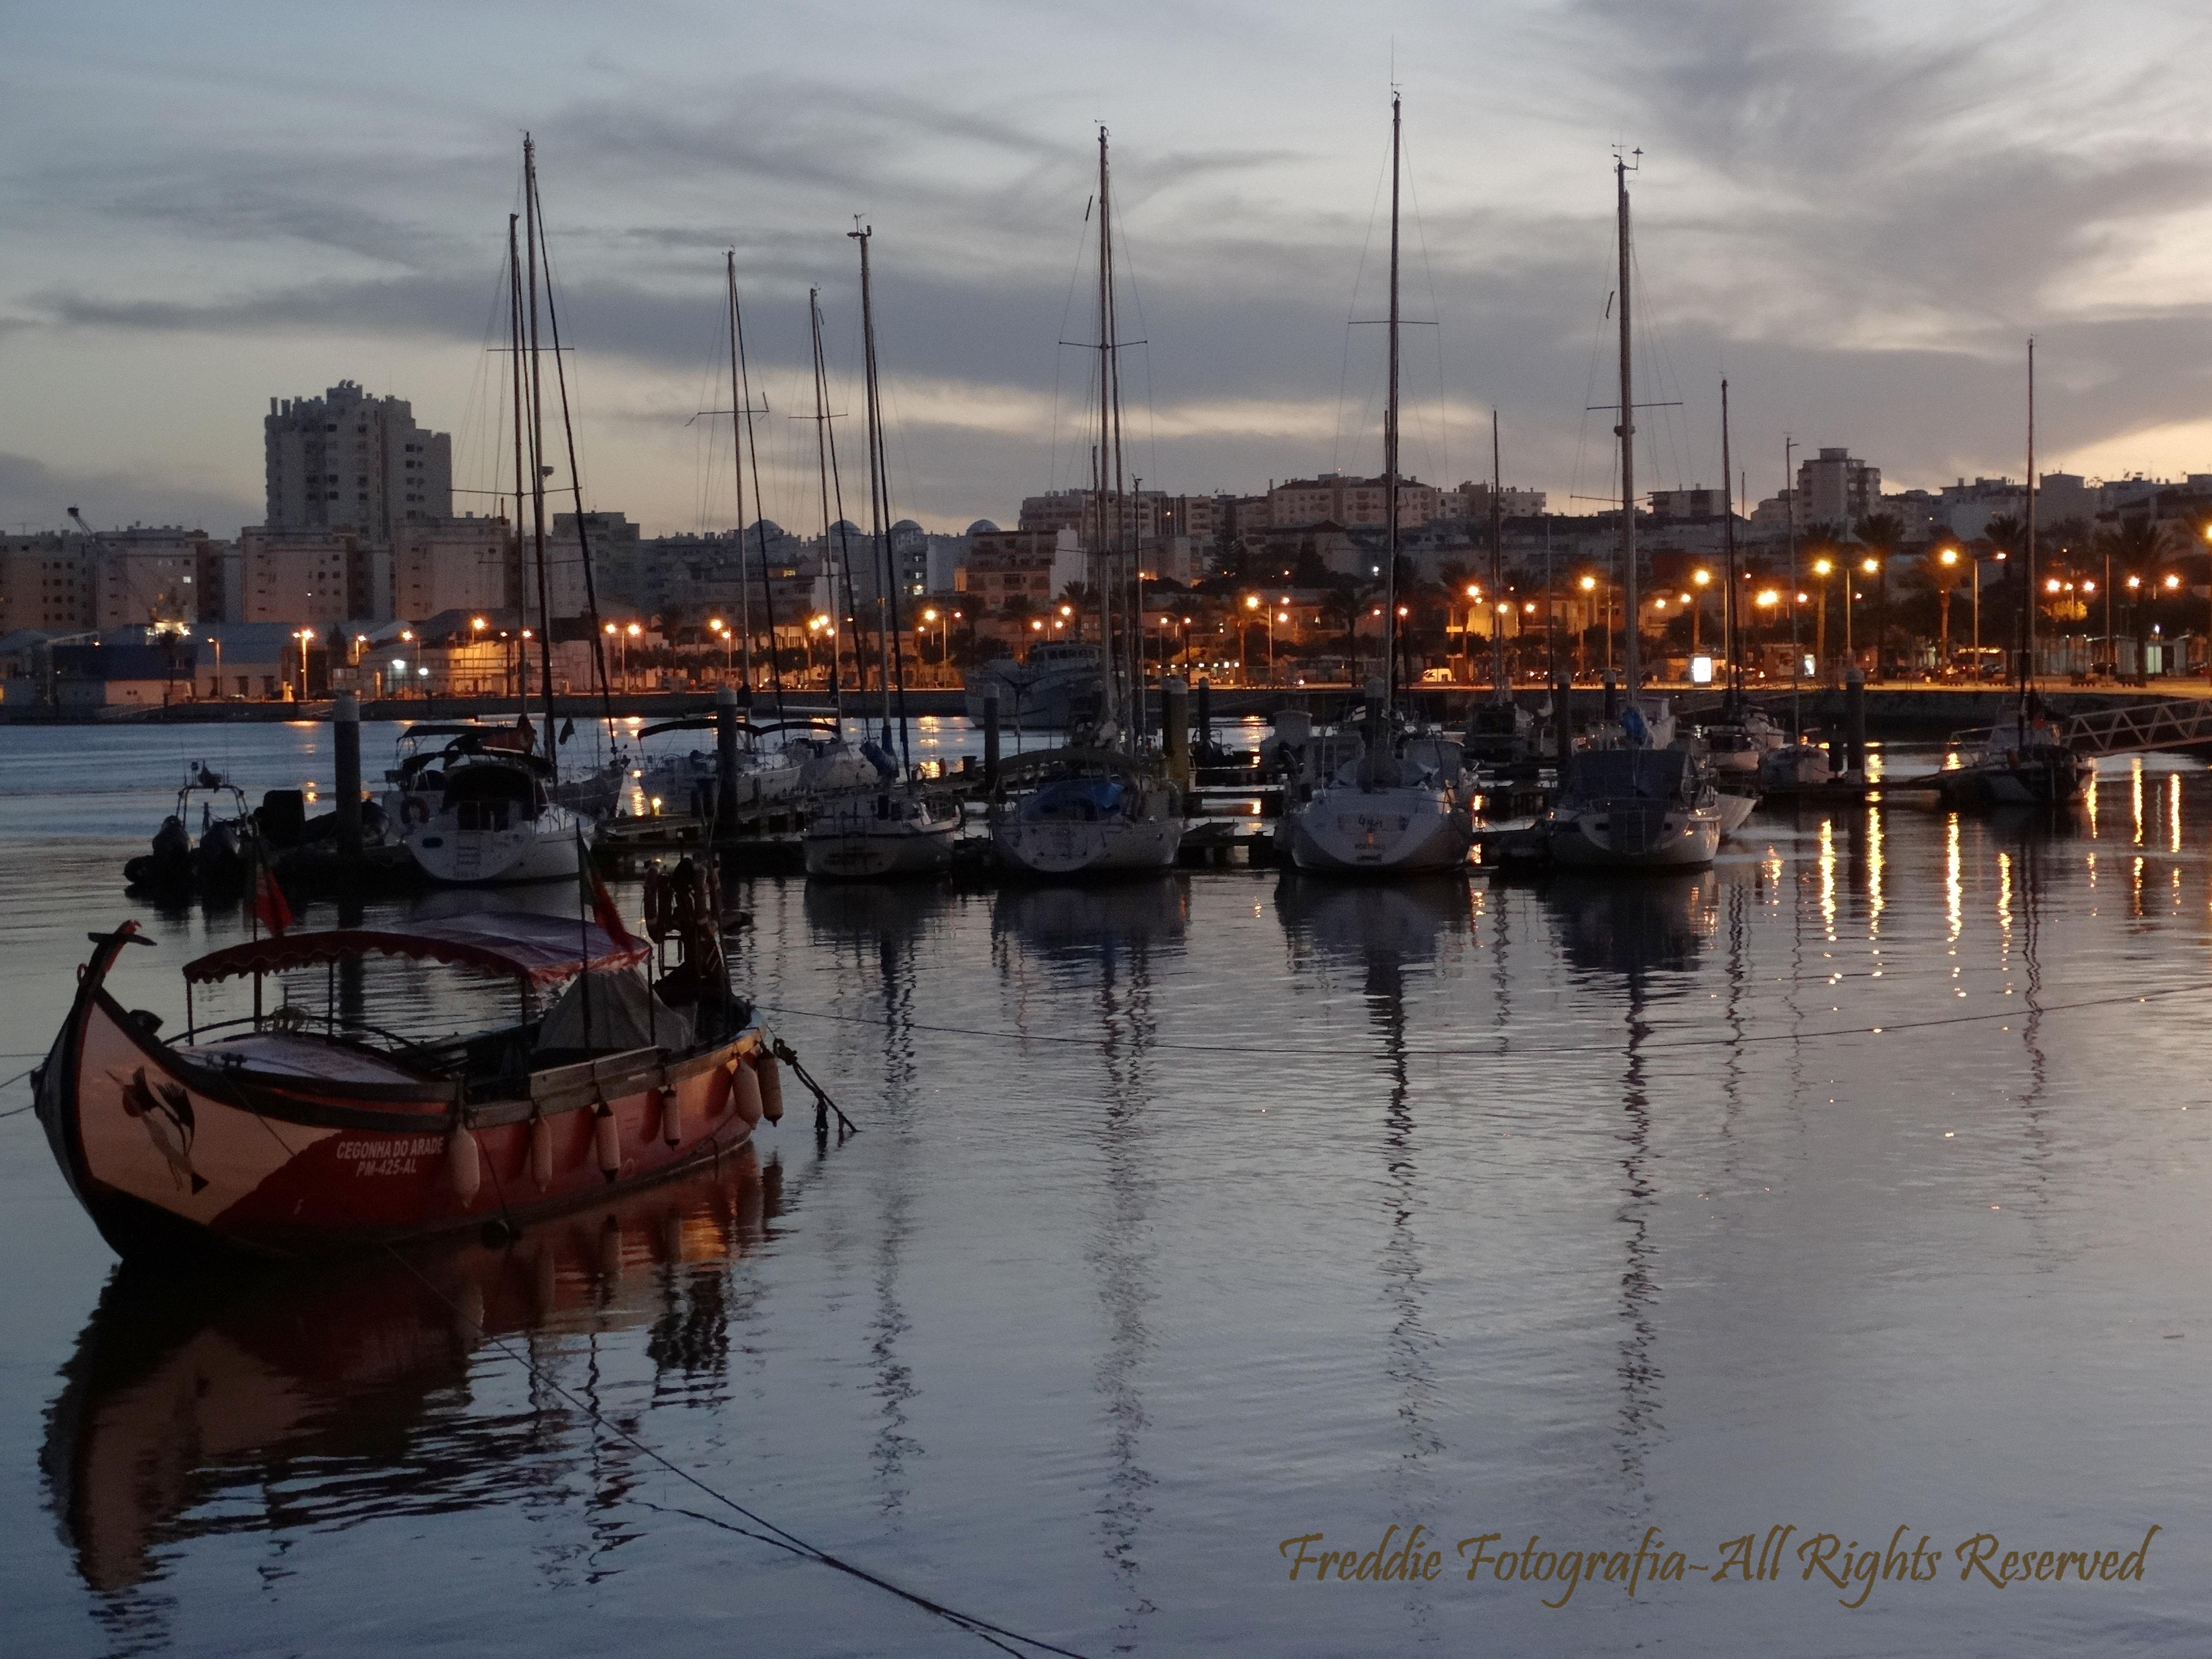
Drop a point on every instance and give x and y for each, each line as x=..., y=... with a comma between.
x=1102, y=804
x=1638, y=803
x=895, y=828
x=1401, y=804
x=486, y=813
x=2022, y=763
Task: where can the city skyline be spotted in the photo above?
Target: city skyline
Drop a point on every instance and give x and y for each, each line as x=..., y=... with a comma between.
x=1858, y=217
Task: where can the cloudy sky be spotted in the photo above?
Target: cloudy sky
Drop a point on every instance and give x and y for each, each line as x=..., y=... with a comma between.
x=1857, y=213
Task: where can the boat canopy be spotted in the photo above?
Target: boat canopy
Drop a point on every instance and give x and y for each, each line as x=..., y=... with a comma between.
x=542, y=950
x=1606, y=774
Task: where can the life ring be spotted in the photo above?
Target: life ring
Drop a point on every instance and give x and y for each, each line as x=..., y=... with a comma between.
x=414, y=809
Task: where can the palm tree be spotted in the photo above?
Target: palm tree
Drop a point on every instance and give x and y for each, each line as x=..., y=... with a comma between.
x=2137, y=545
x=1881, y=533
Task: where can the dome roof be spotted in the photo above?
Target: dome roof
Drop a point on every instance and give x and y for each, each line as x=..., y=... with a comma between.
x=982, y=527
x=906, y=524
x=846, y=528
x=767, y=527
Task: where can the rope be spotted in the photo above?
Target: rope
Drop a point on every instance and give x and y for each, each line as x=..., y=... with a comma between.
x=17, y=1111
x=1500, y=1049
x=823, y=1104
x=781, y=1537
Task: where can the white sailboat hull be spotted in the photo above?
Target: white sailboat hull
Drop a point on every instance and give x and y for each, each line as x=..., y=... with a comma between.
x=1077, y=849
x=1397, y=829
x=1736, y=811
x=1596, y=840
x=858, y=840
x=542, y=848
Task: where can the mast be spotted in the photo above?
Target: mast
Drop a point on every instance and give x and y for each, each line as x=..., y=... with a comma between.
x=744, y=408
x=1627, y=431
x=737, y=469
x=1500, y=686
x=2028, y=608
x=1728, y=542
x=888, y=646
x=1107, y=573
x=1390, y=454
x=537, y=448
x=825, y=464
x=575, y=473
x=1797, y=661
x=518, y=579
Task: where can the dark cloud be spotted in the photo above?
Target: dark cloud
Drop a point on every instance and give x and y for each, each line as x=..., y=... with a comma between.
x=36, y=496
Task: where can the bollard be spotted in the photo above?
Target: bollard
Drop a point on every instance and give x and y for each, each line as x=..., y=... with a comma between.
x=345, y=737
x=991, y=740
x=1563, y=717
x=725, y=760
x=1175, y=727
x=1855, y=721
x=1612, y=698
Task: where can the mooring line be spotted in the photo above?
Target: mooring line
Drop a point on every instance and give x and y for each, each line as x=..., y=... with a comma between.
x=783, y=1537
x=1503, y=1048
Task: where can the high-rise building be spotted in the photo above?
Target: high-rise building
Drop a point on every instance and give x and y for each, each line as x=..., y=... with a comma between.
x=1836, y=488
x=346, y=461
x=459, y=564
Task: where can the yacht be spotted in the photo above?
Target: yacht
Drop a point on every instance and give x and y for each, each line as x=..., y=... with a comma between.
x=1397, y=804
x=871, y=835
x=488, y=818
x=1086, y=811
x=1634, y=808
x=1039, y=691
x=2023, y=763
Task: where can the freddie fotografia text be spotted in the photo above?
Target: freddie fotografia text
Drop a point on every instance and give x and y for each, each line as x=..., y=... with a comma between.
x=1753, y=1559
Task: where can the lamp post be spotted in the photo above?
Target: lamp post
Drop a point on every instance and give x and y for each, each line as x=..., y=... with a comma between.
x=633, y=631
x=1823, y=568
x=1702, y=579
x=1873, y=567
x=1588, y=585
x=1948, y=558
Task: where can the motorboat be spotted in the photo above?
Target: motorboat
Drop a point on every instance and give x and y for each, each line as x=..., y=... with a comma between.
x=1795, y=768
x=221, y=858
x=882, y=833
x=1740, y=739
x=1500, y=734
x=2022, y=763
x=308, y=1130
x=1633, y=809
x=1077, y=812
x=1399, y=805
x=1043, y=690
x=473, y=817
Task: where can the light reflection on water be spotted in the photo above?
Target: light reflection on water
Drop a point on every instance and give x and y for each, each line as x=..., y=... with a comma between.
x=1843, y=1185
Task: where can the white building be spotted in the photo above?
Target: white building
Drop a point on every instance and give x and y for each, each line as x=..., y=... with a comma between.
x=453, y=564
x=1836, y=488
x=346, y=461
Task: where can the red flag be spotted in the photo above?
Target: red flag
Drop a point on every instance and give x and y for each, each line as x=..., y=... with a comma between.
x=269, y=902
x=596, y=896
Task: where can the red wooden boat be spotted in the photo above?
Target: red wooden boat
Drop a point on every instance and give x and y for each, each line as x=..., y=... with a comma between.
x=268, y=1135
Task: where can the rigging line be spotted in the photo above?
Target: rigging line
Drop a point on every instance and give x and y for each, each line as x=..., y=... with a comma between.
x=1067, y=310
x=1505, y=1049
x=1439, y=455
x=790, y=1540
x=1589, y=391
x=1352, y=311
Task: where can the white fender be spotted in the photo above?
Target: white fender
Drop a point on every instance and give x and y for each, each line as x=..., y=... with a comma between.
x=464, y=1164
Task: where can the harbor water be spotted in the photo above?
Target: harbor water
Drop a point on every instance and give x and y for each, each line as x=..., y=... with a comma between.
x=1855, y=1186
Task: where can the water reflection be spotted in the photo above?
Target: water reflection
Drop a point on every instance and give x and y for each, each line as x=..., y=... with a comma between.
x=1360, y=923
x=1075, y=921
x=1648, y=924
x=281, y=1399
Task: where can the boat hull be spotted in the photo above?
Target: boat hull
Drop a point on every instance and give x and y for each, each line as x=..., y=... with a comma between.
x=542, y=848
x=1682, y=840
x=1057, y=849
x=884, y=854
x=1344, y=831
x=1736, y=811
x=171, y=1153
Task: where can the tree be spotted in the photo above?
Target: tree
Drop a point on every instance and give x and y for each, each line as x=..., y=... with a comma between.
x=1880, y=533
x=2137, y=546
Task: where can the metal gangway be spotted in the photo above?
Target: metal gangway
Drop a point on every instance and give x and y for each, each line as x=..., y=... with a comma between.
x=2174, y=723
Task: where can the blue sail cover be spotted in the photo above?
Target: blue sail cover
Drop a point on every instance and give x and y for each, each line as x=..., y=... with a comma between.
x=1083, y=800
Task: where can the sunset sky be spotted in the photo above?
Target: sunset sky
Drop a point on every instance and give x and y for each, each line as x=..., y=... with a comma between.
x=1857, y=214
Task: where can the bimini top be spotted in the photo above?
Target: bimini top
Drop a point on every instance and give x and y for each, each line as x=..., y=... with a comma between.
x=543, y=949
